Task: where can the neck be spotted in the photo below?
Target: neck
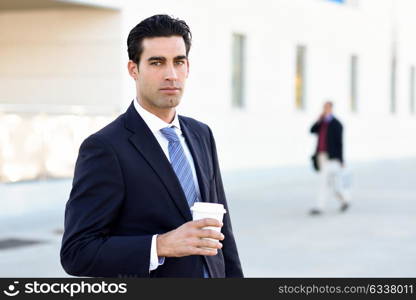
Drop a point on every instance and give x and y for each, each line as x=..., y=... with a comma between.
x=165, y=114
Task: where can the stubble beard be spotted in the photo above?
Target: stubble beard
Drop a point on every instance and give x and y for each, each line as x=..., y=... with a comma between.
x=171, y=102
x=158, y=101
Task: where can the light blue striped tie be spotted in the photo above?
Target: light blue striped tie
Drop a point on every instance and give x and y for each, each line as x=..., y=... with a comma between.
x=182, y=169
x=180, y=165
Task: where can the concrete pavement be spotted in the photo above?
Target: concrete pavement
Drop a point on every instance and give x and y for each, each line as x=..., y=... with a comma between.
x=275, y=235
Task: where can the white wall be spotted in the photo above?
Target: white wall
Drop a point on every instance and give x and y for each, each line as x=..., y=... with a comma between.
x=53, y=58
x=270, y=131
x=60, y=80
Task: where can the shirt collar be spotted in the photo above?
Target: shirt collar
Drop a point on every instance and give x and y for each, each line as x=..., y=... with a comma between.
x=329, y=118
x=154, y=122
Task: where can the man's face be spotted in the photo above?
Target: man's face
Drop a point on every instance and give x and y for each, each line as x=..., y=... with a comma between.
x=162, y=71
x=327, y=108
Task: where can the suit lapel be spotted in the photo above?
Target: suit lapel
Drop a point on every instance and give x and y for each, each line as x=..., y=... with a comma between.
x=196, y=148
x=147, y=145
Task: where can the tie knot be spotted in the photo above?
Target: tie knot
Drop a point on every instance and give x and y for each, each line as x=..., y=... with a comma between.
x=170, y=134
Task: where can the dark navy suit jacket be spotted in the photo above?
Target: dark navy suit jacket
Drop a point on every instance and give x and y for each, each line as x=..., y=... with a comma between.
x=125, y=191
x=333, y=138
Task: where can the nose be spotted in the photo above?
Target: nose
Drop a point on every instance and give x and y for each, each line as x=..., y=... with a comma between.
x=171, y=73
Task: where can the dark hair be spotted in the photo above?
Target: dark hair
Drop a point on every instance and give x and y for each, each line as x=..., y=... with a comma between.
x=156, y=26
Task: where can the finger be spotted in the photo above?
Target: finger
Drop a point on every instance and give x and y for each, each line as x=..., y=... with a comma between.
x=206, y=243
x=207, y=222
x=209, y=233
x=191, y=232
x=205, y=251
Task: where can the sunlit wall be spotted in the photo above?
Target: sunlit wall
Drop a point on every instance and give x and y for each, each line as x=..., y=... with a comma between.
x=42, y=146
x=59, y=82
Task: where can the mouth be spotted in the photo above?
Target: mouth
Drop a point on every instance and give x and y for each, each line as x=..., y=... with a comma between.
x=170, y=90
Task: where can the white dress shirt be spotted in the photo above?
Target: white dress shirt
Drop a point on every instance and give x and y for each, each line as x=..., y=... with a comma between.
x=155, y=124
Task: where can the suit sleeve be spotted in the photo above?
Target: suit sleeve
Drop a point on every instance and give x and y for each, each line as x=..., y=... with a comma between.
x=315, y=127
x=88, y=247
x=231, y=258
x=340, y=143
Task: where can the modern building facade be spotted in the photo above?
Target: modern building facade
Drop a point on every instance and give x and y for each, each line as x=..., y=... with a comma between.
x=259, y=73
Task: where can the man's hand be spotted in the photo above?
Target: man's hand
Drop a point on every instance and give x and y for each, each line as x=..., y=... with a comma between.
x=188, y=240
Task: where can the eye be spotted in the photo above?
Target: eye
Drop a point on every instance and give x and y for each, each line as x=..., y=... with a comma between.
x=180, y=62
x=155, y=63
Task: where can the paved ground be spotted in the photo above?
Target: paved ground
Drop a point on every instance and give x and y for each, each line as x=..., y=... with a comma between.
x=275, y=236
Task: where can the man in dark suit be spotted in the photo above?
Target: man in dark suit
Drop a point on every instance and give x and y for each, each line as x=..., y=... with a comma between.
x=128, y=214
x=329, y=155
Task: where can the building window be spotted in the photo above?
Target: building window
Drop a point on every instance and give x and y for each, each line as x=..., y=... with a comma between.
x=349, y=3
x=353, y=83
x=393, y=83
x=300, y=80
x=238, y=70
x=412, y=89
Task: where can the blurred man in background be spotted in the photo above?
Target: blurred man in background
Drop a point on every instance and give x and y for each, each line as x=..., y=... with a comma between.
x=329, y=156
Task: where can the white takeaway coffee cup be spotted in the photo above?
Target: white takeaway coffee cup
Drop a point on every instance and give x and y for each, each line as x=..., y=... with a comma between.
x=202, y=210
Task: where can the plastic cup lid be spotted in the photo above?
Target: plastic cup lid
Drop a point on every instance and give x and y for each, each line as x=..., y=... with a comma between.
x=208, y=207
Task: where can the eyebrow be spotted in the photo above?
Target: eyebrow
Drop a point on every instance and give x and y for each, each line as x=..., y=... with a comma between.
x=161, y=58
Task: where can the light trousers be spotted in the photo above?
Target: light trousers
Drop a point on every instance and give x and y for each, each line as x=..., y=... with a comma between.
x=330, y=186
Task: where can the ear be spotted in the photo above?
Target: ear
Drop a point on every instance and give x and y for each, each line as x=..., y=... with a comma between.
x=187, y=65
x=133, y=69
